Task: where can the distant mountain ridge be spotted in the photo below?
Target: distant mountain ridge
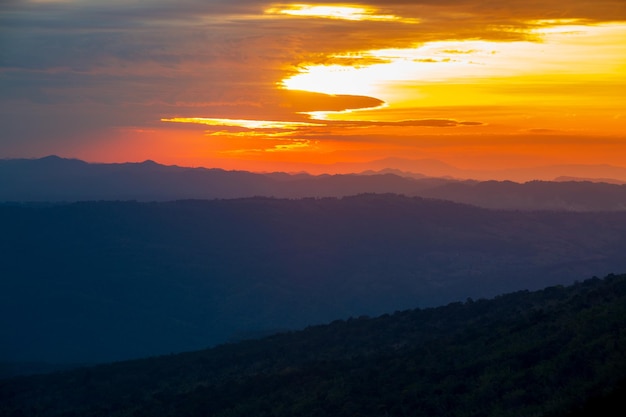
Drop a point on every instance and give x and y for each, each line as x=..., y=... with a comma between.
x=579, y=179
x=435, y=168
x=57, y=179
x=54, y=179
x=534, y=195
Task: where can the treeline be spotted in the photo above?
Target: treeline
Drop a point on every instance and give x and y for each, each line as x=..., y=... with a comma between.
x=556, y=352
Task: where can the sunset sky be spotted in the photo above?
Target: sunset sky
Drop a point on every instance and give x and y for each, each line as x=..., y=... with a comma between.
x=262, y=85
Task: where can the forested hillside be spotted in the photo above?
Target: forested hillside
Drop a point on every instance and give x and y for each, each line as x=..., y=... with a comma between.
x=560, y=351
x=102, y=281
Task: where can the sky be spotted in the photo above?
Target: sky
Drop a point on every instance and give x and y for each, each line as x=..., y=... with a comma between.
x=262, y=85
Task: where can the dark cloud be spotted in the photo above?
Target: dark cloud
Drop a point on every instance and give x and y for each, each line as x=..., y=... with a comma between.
x=321, y=126
x=409, y=123
x=305, y=101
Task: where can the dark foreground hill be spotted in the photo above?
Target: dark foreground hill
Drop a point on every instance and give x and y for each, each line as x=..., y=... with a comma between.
x=556, y=352
x=102, y=281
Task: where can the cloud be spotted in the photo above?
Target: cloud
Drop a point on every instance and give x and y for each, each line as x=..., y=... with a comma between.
x=543, y=131
x=305, y=101
x=430, y=123
x=243, y=123
x=314, y=127
x=402, y=123
x=98, y=64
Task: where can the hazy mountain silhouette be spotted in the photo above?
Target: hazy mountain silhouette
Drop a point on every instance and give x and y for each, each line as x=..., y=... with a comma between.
x=96, y=281
x=54, y=179
x=534, y=195
x=57, y=179
x=579, y=179
x=435, y=168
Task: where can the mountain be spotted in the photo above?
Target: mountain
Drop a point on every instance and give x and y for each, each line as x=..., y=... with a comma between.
x=54, y=179
x=578, y=179
x=101, y=281
x=435, y=168
x=409, y=167
x=533, y=195
x=558, y=352
x=58, y=179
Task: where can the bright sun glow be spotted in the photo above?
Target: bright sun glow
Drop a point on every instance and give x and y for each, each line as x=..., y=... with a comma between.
x=248, y=124
x=333, y=12
x=589, y=53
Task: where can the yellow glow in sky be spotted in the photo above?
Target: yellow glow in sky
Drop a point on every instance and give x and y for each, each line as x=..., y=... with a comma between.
x=331, y=12
x=590, y=53
x=248, y=124
x=464, y=82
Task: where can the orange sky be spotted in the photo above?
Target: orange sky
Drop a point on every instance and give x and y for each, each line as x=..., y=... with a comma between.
x=323, y=87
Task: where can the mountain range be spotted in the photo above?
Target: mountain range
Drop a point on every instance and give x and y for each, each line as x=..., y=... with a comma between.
x=436, y=168
x=54, y=179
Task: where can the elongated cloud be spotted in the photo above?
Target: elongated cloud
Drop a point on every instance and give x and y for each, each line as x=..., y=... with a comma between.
x=279, y=128
x=248, y=124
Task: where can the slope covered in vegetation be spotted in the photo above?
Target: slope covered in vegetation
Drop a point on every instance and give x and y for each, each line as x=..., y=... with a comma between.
x=555, y=352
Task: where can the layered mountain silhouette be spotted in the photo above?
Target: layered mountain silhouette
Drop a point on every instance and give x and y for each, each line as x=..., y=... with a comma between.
x=101, y=281
x=54, y=179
